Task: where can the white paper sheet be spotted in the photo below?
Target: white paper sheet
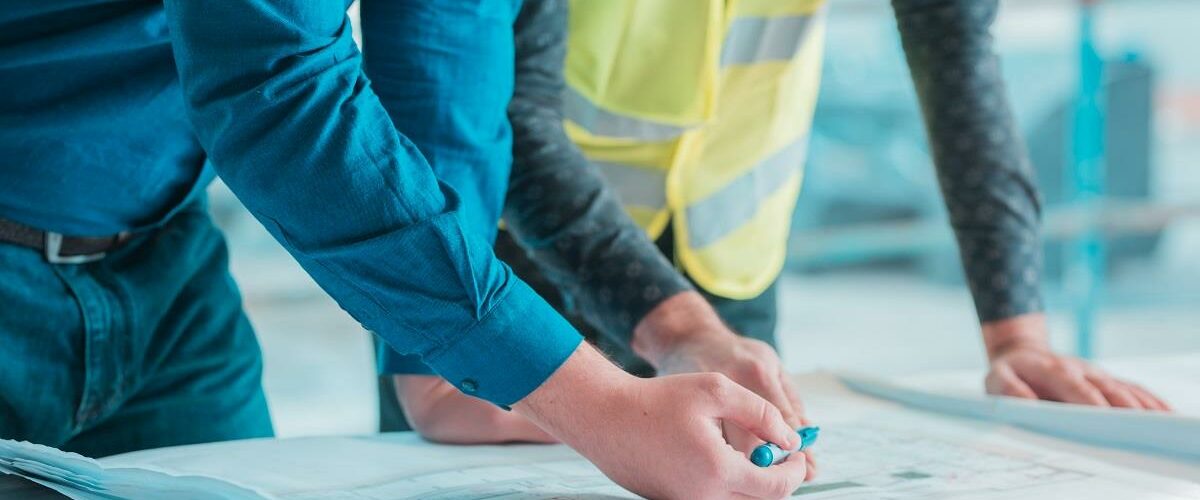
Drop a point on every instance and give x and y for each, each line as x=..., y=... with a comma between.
x=868, y=460
x=1173, y=435
x=83, y=478
x=391, y=466
x=869, y=449
x=859, y=460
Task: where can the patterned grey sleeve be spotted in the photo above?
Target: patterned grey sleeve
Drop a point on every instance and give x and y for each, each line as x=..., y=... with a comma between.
x=558, y=206
x=983, y=168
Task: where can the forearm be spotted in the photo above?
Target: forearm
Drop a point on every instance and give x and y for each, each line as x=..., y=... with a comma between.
x=439, y=412
x=983, y=169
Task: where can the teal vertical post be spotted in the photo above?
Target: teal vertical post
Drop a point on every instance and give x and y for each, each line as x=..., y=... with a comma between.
x=1085, y=184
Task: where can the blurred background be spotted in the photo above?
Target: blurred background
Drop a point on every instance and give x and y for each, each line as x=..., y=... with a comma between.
x=873, y=282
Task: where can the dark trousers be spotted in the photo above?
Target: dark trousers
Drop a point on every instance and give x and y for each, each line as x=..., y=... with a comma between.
x=148, y=347
x=755, y=318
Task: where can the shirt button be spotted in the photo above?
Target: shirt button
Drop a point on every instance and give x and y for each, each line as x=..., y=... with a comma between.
x=469, y=386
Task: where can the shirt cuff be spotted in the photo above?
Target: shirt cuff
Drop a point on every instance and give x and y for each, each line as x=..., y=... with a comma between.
x=390, y=362
x=1004, y=275
x=510, y=352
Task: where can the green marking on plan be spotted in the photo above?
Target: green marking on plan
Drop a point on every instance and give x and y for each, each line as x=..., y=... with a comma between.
x=819, y=488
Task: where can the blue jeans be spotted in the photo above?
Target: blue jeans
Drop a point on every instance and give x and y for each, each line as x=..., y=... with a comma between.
x=148, y=347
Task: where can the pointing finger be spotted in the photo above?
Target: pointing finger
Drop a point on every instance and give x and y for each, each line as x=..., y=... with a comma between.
x=752, y=413
x=1116, y=393
x=794, y=396
x=776, y=393
x=1148, y=399
x=1079, y=391
x=1066, y=380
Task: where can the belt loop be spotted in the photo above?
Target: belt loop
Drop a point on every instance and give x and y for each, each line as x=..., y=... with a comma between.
x=53, y=248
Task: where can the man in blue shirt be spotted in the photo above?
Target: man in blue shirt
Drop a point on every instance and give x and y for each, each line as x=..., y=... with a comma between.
x=118, y=305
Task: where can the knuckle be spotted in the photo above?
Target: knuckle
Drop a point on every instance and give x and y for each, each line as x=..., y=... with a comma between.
x=757, y=373
x=769, y=412
x=1083, y=386
x=713, y=384
x=1065, y=369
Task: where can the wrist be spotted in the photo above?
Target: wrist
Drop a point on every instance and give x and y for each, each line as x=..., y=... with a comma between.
x=682, y=318
x=1027, y=331
x=586, y=384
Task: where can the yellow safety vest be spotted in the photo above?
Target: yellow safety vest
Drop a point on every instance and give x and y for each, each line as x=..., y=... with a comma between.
x=698, y=112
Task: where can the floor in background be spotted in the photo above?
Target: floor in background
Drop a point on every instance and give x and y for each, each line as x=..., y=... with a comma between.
x=897, y=324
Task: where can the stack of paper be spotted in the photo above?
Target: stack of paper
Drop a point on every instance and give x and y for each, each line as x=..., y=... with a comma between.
x=82, y=478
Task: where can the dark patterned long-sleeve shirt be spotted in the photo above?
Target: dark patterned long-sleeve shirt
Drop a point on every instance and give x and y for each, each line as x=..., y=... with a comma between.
x=983, y=169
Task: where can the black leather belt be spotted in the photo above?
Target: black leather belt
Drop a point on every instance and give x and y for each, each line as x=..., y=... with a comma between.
x=57, y=248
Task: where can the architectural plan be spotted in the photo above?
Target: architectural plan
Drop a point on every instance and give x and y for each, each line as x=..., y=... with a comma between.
x=869, y=449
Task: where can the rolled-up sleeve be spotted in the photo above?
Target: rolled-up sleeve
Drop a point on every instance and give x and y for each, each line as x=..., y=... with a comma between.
x=281, y=106
x=983, y=168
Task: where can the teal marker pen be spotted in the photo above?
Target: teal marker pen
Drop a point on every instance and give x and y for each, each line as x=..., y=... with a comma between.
x=768, y=454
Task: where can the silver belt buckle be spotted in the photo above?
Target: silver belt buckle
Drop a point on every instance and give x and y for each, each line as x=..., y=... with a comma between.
x=54, y=246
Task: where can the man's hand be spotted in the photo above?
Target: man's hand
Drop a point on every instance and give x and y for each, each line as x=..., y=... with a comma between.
x=661, y=437
x=1023, y=366
x=439, y=412
x=684, y=335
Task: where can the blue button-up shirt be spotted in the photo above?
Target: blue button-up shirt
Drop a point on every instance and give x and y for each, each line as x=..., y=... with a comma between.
x=97, y=135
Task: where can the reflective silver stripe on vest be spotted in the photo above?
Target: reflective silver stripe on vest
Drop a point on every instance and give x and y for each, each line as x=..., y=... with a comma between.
x=728, y=209
x=636, y=186
x=763, y=39
x=600, y=122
